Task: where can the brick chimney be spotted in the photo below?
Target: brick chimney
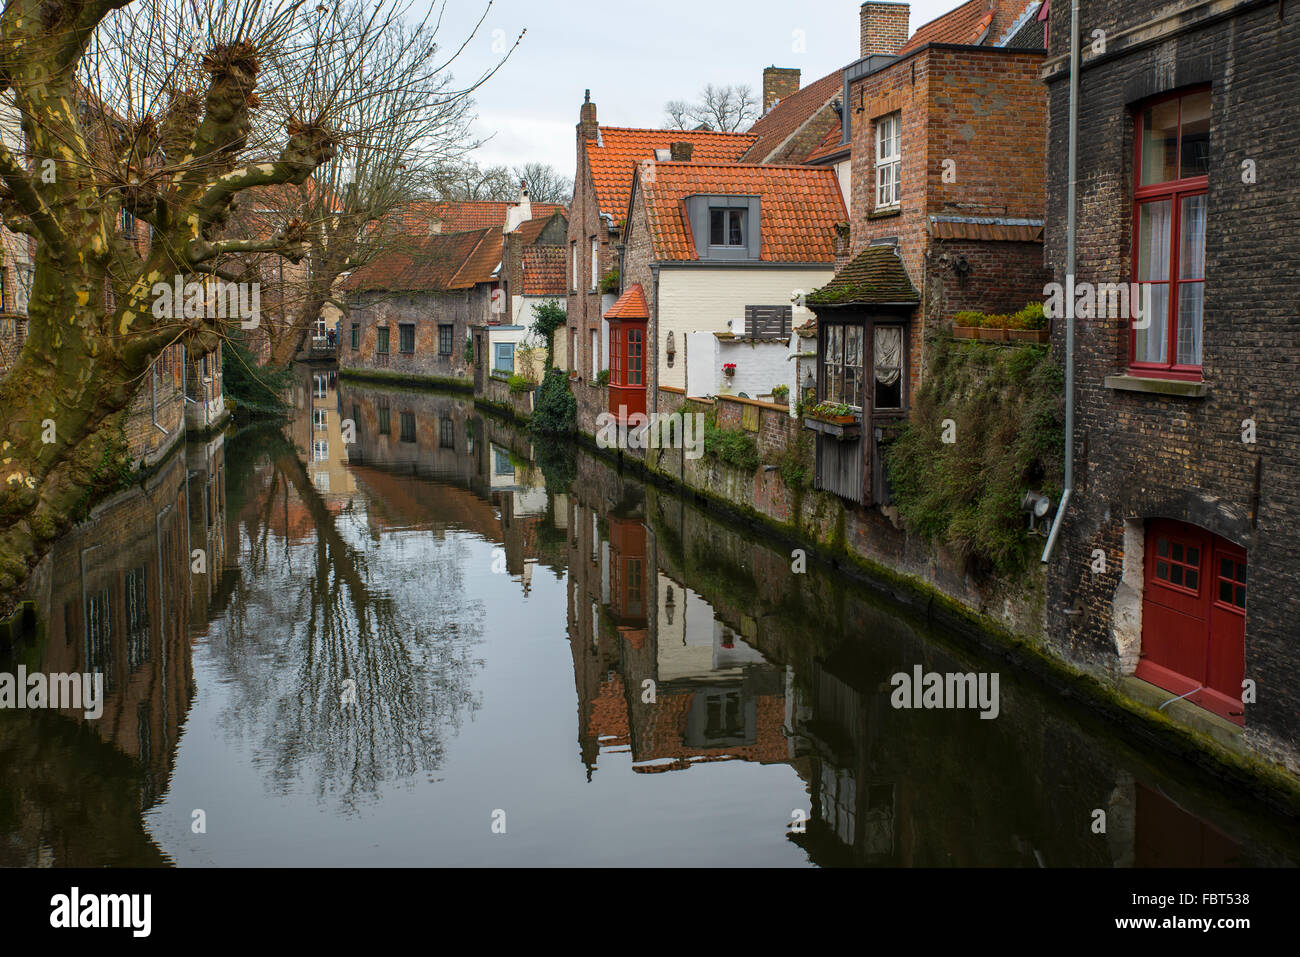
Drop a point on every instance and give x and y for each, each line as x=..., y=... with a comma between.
x=884, y=27
x=587, y=125
x=681, y=152
x=778, y=83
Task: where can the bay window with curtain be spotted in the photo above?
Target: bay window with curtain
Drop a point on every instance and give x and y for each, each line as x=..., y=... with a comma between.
x=1170, y=212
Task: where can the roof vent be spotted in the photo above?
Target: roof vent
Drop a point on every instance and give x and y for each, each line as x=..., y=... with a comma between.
x=663, y=156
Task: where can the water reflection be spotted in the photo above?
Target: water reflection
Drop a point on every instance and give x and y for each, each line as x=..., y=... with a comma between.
x=370, y=659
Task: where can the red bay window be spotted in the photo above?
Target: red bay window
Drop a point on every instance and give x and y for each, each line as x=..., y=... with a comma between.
x=1170, y=206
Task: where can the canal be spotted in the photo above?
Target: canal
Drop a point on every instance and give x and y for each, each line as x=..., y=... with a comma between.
x=441, y=644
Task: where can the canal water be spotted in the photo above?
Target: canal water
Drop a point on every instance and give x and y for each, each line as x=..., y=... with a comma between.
x=442, y=644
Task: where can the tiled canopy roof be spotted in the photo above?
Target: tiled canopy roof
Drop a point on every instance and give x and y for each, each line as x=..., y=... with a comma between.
x=630, y=305
x=800, y=207
x=614, y=156
x=431, y=263
x=788, y=117
x=987, y=228
x=874, y=277
x=544, y=271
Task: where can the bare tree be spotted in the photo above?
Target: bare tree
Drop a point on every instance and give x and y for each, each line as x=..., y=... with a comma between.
x=166, y=110
x=467, y=182
x=545, y=183
x=726, y=109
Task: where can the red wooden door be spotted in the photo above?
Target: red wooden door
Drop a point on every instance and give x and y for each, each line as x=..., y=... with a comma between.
x=626, y=368
x=1194, y=616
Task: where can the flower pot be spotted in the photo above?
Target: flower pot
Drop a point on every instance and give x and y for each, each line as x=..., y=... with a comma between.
x=965, y=332
x=729, y=373
x=1028, y=335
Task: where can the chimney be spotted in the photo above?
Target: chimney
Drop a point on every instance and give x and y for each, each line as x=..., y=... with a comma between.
x=778, y=83
x=521, y=212
x=587, y=126
x=681, y=152
x=884, y=27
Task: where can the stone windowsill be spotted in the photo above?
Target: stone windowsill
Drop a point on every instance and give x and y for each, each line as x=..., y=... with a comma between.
x=887, y=212
x=1154, y=386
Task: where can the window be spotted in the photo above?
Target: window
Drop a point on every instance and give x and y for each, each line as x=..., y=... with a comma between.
x=726, y=227
x=320, y=386
x=406, y=337
x=503, y=357
x=408, y=426
x=320, y=419
x=446, y=432
x=573, y=279
x=320, y=451
x=1178, y=564
x=356, y=336
x=382, y=346
x=128, y=225
x=137, y=618
x=444, y=340
x=595, y=352
x=889, y=160
x=887, y=367
x=843, y=367
x=1173, y=140
x=1232, y=582
x=595, y=261
x=385, y=420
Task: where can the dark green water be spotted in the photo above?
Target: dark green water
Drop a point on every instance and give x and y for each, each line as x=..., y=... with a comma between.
x=425, y=648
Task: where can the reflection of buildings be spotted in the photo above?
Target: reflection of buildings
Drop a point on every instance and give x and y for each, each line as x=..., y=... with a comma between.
x=118, y=596
x=657, y=672
x=319, y=432
x=426, y=460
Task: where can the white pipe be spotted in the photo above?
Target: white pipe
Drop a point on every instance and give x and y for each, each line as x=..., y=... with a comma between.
x=1071, y=233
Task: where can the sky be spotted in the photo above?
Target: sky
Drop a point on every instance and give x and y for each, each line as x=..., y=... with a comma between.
x=634, y=57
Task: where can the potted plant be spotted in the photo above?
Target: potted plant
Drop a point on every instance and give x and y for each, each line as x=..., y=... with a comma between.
x=729, y=369
x=1029, y=324
x=781, y=394
x=965, y=325
x=835, y=419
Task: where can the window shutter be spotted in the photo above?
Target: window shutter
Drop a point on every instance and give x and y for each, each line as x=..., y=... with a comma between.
x=768, y=322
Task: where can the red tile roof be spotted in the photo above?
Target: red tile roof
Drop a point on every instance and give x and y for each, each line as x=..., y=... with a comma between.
x=419, y=217
x=431, y=263
x=800, y=205
x=630, y=305
x=965, y=25
x=789, y=116
x=829, y=146
x=544, y=271
x=614, y=156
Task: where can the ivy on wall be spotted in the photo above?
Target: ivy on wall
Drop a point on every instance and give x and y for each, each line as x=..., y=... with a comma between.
x=1003, y=408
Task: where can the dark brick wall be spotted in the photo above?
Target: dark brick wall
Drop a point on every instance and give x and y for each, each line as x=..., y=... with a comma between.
x=1142, y=456
x=427, y=311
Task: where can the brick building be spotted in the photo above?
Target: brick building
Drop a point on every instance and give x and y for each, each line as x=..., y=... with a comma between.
x=606, y=160
x=1177, y=562
x=716, y=257
x=947, y=135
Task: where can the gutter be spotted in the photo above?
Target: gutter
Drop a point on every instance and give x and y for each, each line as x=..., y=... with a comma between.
x=1071, y=233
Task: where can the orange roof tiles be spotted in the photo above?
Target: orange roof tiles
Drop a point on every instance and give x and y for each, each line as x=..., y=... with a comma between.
x=420, y=216
x=431, y=263
x=966, y=25
x=830, y=146
x=614, y=156
x=630, y=305
x=800, y=206
x=788, y=116
x=544, y=271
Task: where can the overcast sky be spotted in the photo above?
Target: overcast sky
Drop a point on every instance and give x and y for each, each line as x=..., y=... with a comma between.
x=635, y=56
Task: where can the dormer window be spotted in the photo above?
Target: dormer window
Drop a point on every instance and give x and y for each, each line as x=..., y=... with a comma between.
x=726, y=227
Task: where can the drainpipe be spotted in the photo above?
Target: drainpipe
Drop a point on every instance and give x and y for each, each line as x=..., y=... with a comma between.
x=1071, y=230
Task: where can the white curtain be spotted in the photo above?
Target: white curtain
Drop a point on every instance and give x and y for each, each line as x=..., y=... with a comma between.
x=888, y=354
x=1155, y=236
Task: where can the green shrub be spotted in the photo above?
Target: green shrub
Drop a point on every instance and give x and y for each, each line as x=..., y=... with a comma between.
x=968, y=318
x=547, y=318
x=519, y=383
x=250, y=388
x=555, y=410
x=1033, y=316
x=734, y=446
x=1008, y=406
x=609, y=282
x=602, y=377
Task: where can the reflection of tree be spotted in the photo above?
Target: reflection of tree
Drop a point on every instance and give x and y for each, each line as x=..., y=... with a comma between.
x=311, y=612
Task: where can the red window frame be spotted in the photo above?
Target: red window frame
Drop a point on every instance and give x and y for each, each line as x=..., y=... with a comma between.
x=1175, y=191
